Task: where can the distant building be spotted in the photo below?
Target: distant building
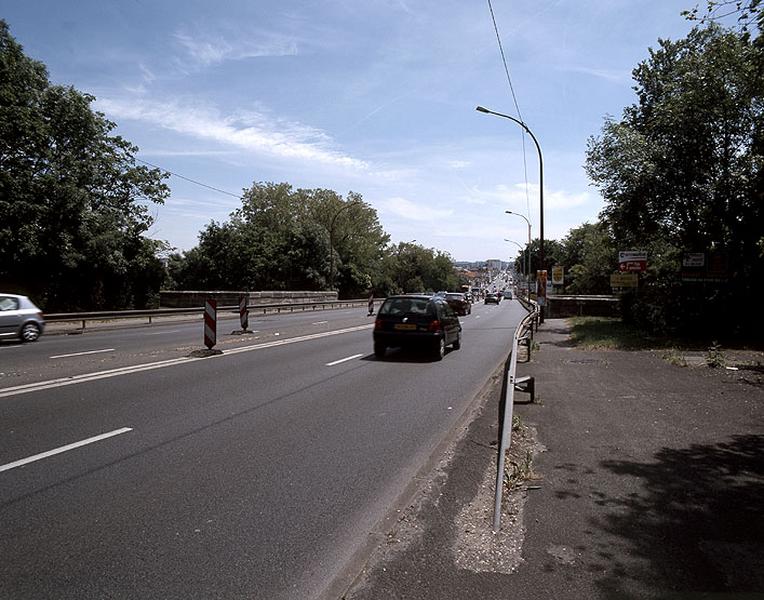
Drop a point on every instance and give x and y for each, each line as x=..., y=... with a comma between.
x=494, y=264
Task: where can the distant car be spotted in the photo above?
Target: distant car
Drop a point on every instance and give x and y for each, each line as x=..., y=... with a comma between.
x=427, y=322
x=507, y=294
x=20, y=318
x=459, y=303
x=492, y=298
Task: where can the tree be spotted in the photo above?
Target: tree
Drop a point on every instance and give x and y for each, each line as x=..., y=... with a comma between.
x=589, y=257
x=279, y=240
x=73, y=201
x=682, y=171
x=411, y=268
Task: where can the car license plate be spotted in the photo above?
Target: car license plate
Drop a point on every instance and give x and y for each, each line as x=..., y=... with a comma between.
x=405, y=326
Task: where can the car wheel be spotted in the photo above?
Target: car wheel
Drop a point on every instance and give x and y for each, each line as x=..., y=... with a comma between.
x=440, y=349
x=30, y=332
x=458, y=342
x=379, y=350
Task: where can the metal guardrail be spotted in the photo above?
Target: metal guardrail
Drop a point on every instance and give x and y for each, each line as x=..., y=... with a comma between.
x=510, y=379
x=165, y=312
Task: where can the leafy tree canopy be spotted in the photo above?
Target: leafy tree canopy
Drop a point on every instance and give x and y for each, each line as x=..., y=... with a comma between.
x=73, y=201
x=283, y=238
x=682, y=169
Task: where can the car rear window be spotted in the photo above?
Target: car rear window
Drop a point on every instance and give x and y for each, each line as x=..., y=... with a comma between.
x=406, y=306
x=455, y=297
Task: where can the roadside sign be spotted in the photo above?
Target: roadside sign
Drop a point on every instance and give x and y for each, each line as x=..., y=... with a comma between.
x=558, y=275
x=632, y=261
x=694, y=260
x=704, y=267
x=624, y=280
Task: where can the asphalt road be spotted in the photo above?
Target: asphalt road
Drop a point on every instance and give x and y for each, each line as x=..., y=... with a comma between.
x=255, y=474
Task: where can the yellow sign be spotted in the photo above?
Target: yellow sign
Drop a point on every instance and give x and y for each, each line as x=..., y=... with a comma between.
x=624, y=280
x=558, y=275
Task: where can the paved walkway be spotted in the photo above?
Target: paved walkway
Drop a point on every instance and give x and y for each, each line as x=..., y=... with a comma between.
x=651, y=485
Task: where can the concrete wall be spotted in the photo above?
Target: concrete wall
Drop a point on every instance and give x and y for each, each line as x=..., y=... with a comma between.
x=193, y=299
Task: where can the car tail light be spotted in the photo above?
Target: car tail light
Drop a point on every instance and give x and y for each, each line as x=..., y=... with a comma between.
x=378, y=324
x=434, y=326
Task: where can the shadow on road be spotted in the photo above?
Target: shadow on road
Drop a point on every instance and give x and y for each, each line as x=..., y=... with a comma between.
x=695, y=520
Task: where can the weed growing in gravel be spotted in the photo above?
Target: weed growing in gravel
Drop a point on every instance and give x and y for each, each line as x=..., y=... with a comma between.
x=715, y=356
x=674, y=357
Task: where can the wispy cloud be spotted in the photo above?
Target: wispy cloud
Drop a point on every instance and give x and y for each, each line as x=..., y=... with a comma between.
x=514, y=197
x=458, y=164
x=207, y=49
x=406, y=209
x=252, y=131
x=612, y=75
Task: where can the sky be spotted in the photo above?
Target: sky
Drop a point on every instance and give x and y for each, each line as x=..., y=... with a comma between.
x=375, y=97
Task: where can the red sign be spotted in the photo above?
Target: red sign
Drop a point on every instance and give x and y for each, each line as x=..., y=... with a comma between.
x=632, y=262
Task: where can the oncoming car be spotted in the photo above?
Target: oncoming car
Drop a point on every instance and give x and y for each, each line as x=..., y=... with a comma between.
x=427, y=322
x=20, y=318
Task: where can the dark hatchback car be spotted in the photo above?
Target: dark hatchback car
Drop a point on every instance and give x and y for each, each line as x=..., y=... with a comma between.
x=427, y=322
x=459, y=303
x=492, y=299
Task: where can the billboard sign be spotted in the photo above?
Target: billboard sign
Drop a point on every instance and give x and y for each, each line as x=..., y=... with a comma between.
x=632, y=261
x=624, y=280
x=558, y=275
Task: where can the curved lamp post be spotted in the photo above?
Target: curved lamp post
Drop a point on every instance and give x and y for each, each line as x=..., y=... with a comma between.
x=541, y=182
x=528, y=270
x=331, y=241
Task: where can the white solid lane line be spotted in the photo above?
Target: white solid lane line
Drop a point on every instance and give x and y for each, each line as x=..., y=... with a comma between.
x=82, y=353
x=98, y=438
x=319, y=323
x=342, y=360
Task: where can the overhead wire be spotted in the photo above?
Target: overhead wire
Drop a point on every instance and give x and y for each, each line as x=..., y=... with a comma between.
x=210, y=187
x=517, y=105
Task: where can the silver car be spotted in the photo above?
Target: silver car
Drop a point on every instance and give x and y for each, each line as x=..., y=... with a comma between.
x=20, y=318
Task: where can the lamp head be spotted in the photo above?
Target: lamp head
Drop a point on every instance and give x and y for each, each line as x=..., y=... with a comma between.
x=482, y=109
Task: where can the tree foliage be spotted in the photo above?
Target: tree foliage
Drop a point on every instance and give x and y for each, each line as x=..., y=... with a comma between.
x=681, y=171
x=73, y=201
x=411, y=268
x=283, y=238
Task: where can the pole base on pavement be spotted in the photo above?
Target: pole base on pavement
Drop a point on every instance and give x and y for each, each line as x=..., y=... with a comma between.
x=205, y=352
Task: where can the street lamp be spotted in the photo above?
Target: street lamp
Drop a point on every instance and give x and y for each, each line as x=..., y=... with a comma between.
x=331, y=241
x=528, y=268
x=541, y=182
x=528, y=271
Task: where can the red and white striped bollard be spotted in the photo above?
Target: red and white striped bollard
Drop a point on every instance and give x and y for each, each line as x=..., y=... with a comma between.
x=210, y=322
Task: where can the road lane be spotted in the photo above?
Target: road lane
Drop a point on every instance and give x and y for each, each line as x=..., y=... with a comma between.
x=251, y=475
x=31, y=362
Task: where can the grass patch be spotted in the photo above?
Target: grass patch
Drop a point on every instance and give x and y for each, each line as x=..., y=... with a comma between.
x=606, y=333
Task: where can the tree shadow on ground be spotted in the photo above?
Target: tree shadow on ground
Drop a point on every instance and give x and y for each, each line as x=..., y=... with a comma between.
x=694, y=523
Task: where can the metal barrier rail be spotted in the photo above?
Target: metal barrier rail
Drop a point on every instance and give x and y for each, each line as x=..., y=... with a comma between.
x=510, y=378
x=164, y=312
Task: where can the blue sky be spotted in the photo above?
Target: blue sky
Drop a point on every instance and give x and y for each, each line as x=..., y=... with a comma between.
x=371, y=96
